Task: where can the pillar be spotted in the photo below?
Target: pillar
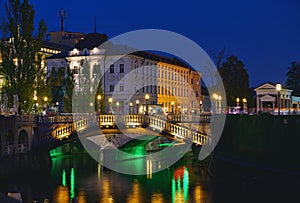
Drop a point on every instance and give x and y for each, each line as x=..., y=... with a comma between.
x=257, y=104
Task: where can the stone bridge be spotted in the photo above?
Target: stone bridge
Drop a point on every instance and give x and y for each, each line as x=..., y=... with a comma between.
x=19, y=134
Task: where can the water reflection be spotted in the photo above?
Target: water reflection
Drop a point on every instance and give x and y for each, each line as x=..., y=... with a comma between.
x=180, y=185
x=61, y=195
x=106, y=196
x=134, y=196
x=87, y=181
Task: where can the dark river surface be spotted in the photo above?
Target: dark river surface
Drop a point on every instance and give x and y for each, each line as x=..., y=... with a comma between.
x=80, y=177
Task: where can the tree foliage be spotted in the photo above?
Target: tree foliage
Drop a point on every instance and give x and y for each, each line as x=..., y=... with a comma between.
x=293, y=77
x=69, y=84
x=19, y=47
x=236, y=80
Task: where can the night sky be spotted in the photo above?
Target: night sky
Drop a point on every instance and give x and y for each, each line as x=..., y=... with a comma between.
x=264, y=34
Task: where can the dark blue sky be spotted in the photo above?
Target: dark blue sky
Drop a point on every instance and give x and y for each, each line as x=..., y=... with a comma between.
x=265, y=35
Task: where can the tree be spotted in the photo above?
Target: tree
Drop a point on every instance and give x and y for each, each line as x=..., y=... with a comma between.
x=293, y=78
x=69, y=84
x=236, y=80
x=21, y=60
x=55, y=81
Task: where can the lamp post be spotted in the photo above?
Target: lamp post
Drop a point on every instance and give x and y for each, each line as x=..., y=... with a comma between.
x=110, y=105
x=45, y=104
x=220, y=106
x=99, y=97
x=2, y=80
x=137, y=102
x=91, y=105
x=245, y=105
x=237, y=102
x=130, y=107
x=118, y=107
x=200, y=106
x=57, y=107
x=216, y=97
x=172, y=105
x=147, y=99
x=278, y=89
x=35, y=104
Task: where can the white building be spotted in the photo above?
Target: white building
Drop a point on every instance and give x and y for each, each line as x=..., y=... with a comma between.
x=128, y=78
x=267, y=99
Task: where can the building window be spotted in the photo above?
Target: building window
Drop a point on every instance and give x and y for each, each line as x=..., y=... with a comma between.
x=121, y=68
x=111, y=88
x=121, y=88
x=112, y=68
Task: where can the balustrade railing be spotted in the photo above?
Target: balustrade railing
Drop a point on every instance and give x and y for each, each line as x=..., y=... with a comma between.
x=179, y=131
x=165, y=123
x=25, y=120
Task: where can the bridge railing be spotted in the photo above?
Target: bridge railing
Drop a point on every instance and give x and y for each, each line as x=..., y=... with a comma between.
x=179, y=131
x=201, y=118
x=55, y=119
x=66, y=130
x=134, y=119
x=113, y=120
x=24, y=120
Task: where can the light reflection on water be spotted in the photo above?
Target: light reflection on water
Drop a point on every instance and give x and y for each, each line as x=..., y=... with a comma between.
x=88, y=181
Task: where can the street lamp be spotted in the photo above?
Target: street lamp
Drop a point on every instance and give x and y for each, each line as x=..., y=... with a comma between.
x=118, y=104
x=245, y=105
x=2, y=80
x=200, y=106
x=172, y=104
x=130, y=107
x=137, y=106
x=91, y=105
x=110, y=105
x=278, y=89
x=216, y=98
x=35, y=104
x=147, y=99
x=220, y=106
x=45, y=105
x=237, y=102
x=57, y=107
x=99, y=97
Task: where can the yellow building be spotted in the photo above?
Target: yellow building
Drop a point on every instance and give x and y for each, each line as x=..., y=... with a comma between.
x=179, y=88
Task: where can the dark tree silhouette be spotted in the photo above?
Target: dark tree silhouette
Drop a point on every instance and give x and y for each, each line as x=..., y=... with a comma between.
x=236, y=80
x=293, y=78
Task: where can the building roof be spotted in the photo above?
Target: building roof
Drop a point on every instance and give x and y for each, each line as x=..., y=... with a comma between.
x=160, y=58
x=60, y=55
x=52, y=45
x=91, y=40
x=273, y=84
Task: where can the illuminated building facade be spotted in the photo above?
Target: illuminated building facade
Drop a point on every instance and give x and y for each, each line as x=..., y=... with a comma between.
x=169, y=82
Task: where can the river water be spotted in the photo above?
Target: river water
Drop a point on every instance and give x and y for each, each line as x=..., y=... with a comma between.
x=80, y=177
